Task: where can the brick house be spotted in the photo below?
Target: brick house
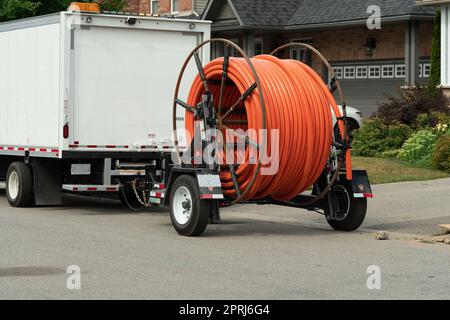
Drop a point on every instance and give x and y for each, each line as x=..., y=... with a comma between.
x=168, y=7
x=370, y=62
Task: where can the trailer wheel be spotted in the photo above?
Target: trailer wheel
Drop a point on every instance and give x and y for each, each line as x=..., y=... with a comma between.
x=189, y=214
x=19, y=185
x=350, y=211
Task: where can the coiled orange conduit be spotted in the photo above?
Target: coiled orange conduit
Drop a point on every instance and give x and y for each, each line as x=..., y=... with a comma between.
x=297, y=103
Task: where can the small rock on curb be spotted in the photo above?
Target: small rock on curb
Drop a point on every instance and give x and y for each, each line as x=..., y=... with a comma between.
x=382, y=235
x=445, y=228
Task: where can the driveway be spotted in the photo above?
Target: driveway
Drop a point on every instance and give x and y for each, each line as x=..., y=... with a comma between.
x=259, y=252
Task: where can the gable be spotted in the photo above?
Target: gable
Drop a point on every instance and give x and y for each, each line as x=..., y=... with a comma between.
x=221, y=12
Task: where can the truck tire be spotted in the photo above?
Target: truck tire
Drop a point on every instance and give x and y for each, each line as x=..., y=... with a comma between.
x=189, y=214
x=352, y=126
x=352, y=210
x=19, y=185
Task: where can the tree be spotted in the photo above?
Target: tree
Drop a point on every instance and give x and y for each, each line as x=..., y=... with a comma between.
x=52, y=6
x=17, y=9
x=113, y=5
x=435, y=72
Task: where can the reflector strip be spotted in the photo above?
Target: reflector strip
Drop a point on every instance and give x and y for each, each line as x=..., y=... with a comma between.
x=93, y=146
x=30, y=149
x=137, y=149
x=158, y=195
x=363, y=195
x=211, y=196
x=90, y=188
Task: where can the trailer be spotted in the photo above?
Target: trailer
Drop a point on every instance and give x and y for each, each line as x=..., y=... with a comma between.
x=86, y=106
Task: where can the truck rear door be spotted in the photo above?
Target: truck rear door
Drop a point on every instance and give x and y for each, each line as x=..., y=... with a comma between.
x=123, y=84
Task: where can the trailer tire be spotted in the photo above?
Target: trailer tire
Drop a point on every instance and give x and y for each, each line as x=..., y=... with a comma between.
x=188, y=213
x=355, y=213
x=19, y=185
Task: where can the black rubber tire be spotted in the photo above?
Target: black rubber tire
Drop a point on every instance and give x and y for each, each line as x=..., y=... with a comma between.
x=25, y=196
x=200, y=208
x=352, y=126
x=129, y=200
x=355, y=216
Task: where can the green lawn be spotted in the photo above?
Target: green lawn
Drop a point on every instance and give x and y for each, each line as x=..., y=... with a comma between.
x=390, y=170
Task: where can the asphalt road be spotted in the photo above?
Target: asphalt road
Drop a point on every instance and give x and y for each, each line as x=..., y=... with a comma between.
x=260, y=252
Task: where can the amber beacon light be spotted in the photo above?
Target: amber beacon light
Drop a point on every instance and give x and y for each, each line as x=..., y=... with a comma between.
x=84, y=7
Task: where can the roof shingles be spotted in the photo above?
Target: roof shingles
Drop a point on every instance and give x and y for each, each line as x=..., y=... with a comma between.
x=304, y=12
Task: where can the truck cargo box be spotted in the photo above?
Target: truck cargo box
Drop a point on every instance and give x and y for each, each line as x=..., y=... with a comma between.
x=78, y=82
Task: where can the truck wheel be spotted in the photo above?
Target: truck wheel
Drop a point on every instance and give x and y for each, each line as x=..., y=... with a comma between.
x=350, y=211
x=352, y=126
x=19, y=185
x=189, y=214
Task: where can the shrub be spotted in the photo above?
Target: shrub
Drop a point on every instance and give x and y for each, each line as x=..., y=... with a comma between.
x=441, y=155
x=433, y=120
x=375, y=137
x=418, y=149
x=411, y=103
x=396, y=136
x=368, y=139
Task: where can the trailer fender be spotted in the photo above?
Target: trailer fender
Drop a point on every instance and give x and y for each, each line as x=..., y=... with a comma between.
x=209, y=183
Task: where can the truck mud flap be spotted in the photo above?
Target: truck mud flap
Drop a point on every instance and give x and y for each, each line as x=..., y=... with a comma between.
x=47, y=181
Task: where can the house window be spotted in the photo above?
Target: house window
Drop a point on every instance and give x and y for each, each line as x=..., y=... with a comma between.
x=420, y=70
x=426, y=70
x=387, y=71
x=374, y=72
x=301, y=54
x=338, y=71
x=349, y=73
x=259, y=46
x=154, y=6
x=400, y=71
x=361, y=72
x=175, y=6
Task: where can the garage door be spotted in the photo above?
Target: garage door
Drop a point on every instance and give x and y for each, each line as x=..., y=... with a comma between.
x=366, y=85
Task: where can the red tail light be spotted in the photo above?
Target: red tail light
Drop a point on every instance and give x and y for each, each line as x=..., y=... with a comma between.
x=66, y=131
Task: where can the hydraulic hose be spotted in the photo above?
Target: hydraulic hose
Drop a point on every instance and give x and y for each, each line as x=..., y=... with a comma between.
x=298, y=105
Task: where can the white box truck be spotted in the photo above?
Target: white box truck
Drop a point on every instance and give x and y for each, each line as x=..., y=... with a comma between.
x=86, y=102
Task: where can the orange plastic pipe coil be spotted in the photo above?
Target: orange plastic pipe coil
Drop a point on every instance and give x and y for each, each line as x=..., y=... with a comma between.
x=298, y=104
